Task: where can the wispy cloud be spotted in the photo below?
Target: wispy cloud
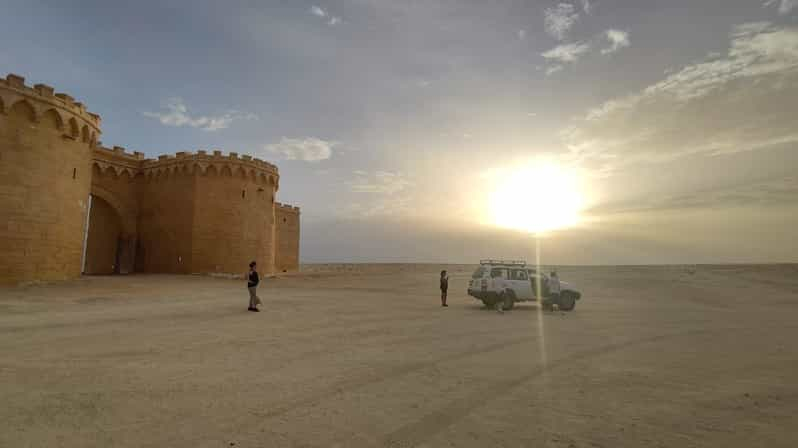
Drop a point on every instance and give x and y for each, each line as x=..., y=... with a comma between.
x=587, y=7
x=177, y=115
x=381, y=193
x=779, y=191
x=558, y=20
x=750, y=92
x=785, y=6
x=308, y=149
x=618, y=39
x=553, y=69
x=384, y=182
x=567, y=52
x=329, y=18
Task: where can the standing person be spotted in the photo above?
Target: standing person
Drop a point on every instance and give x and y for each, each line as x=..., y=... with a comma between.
x=252, y=284
x=554, y=291
x=444, y=287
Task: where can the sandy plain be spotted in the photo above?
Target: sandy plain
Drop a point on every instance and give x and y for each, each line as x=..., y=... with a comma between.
x=363, y=355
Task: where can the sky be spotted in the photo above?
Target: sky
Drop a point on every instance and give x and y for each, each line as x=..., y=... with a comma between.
x=396, y=124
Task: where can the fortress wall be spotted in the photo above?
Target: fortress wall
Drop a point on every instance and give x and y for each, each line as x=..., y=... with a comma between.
x=166, y=209
x=186, y=213
x=286, y=257
x=233, y=218
x=45, y=155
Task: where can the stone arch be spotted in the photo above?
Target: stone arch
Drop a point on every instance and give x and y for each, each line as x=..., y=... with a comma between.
x=271, y=180
x=111, y=236
x=125, y=212
x=211, y=171
x=2, y=106
x=24, y=110
x=74, y=131
x=110, y=170
x=52, y=118
x=226, y=171
x=93, y=140
x=85, y=135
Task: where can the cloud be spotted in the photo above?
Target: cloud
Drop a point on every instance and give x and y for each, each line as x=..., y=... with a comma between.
x=307, y=149
x=618, y=39
x=317, y=11
x=384, y=182
x=743, y=101
x=387, y=194
x=330, y=19
x=771, y=192
x=567, y=52
x=586, y=6
x=553, y=69
x=177, y=115
x=785, y=6
x=559, y=19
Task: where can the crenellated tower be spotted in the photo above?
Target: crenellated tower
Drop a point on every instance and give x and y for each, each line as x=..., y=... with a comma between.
x=46, y=142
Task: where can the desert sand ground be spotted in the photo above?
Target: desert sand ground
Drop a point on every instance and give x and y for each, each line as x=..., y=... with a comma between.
x=364, y=356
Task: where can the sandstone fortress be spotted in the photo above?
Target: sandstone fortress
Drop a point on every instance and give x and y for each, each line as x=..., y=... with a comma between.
x=69, y=206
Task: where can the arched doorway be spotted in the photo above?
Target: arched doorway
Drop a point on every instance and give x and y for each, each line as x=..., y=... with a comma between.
x=104, y=242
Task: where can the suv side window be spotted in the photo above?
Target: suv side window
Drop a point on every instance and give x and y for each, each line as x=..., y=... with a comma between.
x=498, y=273
x=518, y=274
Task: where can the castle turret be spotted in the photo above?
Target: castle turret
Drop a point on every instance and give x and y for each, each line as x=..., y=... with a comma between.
x=46, y=142
x=286, y=255
x=220, y=209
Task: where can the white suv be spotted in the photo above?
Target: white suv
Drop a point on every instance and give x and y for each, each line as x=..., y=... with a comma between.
x=502, y=283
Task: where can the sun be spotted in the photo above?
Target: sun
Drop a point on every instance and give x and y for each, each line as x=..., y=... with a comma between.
x=537, y=198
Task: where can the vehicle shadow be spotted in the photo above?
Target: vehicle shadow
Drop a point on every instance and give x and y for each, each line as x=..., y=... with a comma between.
x=525, y=308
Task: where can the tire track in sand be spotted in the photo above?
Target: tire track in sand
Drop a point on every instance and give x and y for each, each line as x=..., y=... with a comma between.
x=417, y=432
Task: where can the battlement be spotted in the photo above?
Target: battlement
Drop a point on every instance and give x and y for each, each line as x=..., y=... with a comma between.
x=42, y=97
x=118, y=151
x=119, y=160
x=216, y=157
x=286, y=208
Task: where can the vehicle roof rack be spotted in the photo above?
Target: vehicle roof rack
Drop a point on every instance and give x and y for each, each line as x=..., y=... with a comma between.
x=504, y=262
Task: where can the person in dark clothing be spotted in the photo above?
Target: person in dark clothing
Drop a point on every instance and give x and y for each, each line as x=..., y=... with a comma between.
x=252, y=284
x=444, y=287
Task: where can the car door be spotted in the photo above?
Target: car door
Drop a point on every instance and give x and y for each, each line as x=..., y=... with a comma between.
x=538, y=283
x=498, y=279
x=520, y=284
x=544, y=284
